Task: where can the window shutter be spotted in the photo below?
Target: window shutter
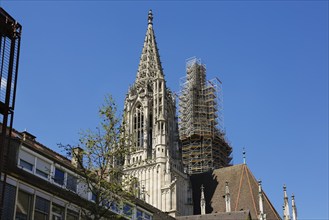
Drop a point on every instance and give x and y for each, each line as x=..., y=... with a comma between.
x=26, y=156
x=43, y=166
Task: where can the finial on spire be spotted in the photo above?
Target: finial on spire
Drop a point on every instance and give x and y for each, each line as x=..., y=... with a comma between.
x=150, y=17
x=259, y=186
x=227, y=191
x=244, y=156
x=286, y=212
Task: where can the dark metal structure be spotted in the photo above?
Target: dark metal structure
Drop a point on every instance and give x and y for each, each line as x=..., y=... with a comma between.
x=10, y=37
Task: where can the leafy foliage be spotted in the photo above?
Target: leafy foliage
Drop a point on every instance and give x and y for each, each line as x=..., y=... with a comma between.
x=99, y=159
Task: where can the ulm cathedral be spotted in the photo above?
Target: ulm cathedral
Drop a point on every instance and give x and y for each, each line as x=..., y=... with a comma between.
x=182, y=164
x=150, y=115
x=185, y=170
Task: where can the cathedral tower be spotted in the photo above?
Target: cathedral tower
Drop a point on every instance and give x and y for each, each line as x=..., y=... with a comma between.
x=151, y=122
x=204, y=146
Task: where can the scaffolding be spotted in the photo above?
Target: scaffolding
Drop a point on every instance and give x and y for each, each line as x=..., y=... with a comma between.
x=201, y=125
x=10, y=37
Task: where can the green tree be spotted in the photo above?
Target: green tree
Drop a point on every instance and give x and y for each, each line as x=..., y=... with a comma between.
x=99, y=158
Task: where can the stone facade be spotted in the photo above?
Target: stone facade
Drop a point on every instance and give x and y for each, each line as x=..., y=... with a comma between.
x=151, y=122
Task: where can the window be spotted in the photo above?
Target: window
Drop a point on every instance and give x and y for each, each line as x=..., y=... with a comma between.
x=82, y=189
x=139, y=126
x=150, y=132
x=41, y=211
x=24, y=206
x=8, y=207
x=147, y=216
x=93, y=196
x=59, y=176
x=72, y=215
x=71, y=183
x=42, y=168
x=25, y=164
x=40, y=173
x=58, y=212
x=114, y=207
x=139, y=215
x=26, y=160
x=127, y=209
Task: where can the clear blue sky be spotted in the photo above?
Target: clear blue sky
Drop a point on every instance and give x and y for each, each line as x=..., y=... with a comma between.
x=272, y=57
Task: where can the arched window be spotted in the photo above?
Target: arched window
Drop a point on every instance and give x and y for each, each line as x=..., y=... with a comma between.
x=138, y=126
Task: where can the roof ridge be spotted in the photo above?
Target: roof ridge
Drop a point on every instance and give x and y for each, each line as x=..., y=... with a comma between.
x=239, y=191
x=265, y=196
x=38, y=145
x=250, y=188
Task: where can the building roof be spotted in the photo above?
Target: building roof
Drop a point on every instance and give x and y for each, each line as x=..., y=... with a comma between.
x=29, y=140
x=239, y=215
x=243, y=188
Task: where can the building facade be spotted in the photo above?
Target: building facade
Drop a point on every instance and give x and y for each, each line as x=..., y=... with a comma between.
x=151, y=122
x=42, y=184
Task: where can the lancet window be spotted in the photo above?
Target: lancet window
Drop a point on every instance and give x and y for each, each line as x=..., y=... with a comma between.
x=139, y=126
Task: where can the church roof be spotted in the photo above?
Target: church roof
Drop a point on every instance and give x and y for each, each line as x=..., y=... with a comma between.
x=243, y=188
x=149, y=64
x=239, y=215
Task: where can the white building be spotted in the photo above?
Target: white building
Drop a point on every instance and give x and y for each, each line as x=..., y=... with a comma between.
x=42, y=184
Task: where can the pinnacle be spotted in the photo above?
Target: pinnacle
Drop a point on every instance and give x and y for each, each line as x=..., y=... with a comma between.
x=149, y=64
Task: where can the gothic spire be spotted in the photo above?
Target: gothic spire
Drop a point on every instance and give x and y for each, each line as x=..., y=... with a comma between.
x=294, y=209
x=262, y=215
x=286, y=212
x=149, y=64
